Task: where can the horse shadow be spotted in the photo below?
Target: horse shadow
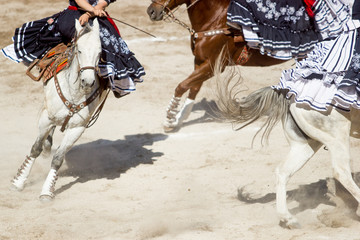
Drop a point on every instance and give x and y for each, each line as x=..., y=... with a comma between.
x=108, y=159
x=325, y=191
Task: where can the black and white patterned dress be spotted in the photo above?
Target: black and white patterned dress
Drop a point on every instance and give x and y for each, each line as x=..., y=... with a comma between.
x=330, y=75
x=117, y=63
x=283, y=29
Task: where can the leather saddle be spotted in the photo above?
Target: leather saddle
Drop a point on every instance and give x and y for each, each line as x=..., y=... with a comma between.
x=54, y=60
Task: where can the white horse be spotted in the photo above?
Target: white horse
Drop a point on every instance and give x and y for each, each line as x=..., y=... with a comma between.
x=71, y=97
x=306, y=131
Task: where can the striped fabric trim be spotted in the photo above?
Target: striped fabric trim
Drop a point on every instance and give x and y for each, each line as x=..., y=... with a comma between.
x=19, y=48
x=9, y=53
x=341, y=52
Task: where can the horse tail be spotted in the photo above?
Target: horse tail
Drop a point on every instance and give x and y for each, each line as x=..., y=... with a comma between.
x=246, y=110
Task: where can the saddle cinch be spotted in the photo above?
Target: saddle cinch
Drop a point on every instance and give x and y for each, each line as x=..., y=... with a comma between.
x=55, y=59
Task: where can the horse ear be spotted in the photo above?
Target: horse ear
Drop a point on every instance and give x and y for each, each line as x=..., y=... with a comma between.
x=78, y=26
x=95, y=24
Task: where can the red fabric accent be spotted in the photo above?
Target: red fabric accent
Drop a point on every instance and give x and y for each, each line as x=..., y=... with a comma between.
x=113, y=23
x=309, y=4
x=108, y=18
x=72, y=8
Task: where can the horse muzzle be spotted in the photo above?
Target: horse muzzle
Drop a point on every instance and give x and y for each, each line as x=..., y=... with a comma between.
x=87, y=84
x=88, y=77
x=155, y=12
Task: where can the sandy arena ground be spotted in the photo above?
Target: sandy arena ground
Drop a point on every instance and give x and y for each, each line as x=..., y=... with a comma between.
x=126, y=179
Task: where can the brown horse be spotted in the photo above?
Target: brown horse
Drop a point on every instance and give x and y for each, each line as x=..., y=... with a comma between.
x=209, y=35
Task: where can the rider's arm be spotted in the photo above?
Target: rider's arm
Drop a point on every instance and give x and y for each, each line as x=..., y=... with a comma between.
x=102, y=4
x=98, y=10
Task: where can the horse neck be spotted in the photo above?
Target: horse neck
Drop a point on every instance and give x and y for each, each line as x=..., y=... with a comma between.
x=207, y=15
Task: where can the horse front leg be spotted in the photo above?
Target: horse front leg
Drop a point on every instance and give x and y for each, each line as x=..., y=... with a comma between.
x=48, y=142
x=70, y=137
x=188, y=105
x=45, y=126
x=301, y=150
x=174, y=116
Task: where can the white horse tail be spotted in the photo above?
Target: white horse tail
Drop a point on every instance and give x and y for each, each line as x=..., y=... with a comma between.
x=246, y=110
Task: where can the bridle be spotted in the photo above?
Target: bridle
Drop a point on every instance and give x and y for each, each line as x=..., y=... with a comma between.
x=170, y=13
x=75, y=52
x=195, y=35
x=165, y=5
x=72, y=107
x=244, y=55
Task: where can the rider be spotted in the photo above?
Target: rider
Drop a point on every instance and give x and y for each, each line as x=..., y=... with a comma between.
x=330, y=75
x=288, y=28
x=117, y=63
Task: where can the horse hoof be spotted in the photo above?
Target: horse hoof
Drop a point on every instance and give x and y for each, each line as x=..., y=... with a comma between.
x=293, y=224
x=46, y=198
x=169, y=127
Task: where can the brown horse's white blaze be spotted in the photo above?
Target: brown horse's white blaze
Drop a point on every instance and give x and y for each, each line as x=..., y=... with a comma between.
x=208, y=38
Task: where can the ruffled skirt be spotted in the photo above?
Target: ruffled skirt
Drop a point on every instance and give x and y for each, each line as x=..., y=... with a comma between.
x=117, y=62
x=283, y=29
x=330, y=17
x=328, y=77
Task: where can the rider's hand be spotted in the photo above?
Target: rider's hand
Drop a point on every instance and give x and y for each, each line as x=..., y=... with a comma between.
x=99, y=12
x=84, y=19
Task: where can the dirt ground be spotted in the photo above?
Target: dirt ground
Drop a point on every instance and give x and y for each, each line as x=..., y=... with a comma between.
x=126, y=179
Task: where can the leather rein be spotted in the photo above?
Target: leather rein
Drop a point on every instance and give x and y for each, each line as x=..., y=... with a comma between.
x=72, y=107
x=195, y=35
x=245, y=52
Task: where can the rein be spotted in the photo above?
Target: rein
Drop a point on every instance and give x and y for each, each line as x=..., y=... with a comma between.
x=245, y=52
x=170, y=14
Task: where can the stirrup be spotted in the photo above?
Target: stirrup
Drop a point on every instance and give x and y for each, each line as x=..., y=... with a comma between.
x=32, y=65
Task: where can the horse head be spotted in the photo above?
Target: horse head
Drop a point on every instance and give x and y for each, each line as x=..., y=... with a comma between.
x=87, y=53
x=158, y=8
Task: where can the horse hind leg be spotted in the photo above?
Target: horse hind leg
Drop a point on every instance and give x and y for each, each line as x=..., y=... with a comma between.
x=340, y=155
x=18, y=182
x=301, y=150
x=337, y=138
x=70, y=137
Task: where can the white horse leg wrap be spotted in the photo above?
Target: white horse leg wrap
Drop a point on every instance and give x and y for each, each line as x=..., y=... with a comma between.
x=171, y=112
x=172, y=108
x=49, y=184
x=185, y=111
x=23, y=173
